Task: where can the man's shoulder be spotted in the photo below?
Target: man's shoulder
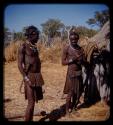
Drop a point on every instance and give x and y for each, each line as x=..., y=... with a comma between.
x=66, y=46
x=22, y=47
x=81, y=49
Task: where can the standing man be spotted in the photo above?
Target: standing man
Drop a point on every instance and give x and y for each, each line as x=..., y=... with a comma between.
x=73, y=56
x=30, y=67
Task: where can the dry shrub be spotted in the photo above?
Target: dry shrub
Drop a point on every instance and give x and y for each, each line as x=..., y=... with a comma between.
x=83, y=41
x=10, y=52
x=51, y=54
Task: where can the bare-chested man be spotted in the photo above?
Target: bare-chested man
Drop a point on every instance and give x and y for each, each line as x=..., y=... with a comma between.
x=73, y=56
x=30, y=67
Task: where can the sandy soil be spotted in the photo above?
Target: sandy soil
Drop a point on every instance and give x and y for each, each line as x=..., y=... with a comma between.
x=54, y=77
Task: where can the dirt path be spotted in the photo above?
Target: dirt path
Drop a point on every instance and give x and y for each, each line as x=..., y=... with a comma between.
x=54, y=77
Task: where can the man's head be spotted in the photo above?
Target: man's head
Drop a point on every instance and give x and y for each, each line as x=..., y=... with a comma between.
x=32, y=34
x=74, y=37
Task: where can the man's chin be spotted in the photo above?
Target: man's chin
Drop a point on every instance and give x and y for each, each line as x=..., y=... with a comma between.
x=74, y=44
x=35, y=41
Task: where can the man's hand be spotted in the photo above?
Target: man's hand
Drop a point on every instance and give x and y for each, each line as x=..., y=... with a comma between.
x=72, y=60
x=26, y=79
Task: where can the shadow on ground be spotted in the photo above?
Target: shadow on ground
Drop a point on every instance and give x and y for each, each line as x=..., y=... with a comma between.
x=55, y=114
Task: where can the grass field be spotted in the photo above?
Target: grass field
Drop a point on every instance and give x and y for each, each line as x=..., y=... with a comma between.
x=54, y=77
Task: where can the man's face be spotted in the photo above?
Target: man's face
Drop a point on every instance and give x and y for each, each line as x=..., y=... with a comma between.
x=33, y=36
x=73, y=39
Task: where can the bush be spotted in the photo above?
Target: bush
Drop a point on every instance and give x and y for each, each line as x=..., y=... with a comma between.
x=51, y=54
x=10, y=51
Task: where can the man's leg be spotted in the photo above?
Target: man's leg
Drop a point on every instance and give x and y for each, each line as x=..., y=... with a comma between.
x=68, y=103
x=74, y=98
x=31, y=104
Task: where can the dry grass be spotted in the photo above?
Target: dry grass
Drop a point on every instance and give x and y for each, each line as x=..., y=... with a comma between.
x=10, y=52
x=54, y=77
x=47, y=54
x=52, y=54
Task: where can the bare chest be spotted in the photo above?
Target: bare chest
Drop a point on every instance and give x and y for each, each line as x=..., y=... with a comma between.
x=74, y=52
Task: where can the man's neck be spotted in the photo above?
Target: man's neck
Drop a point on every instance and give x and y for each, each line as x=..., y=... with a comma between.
x=33, y=44
x=74, y=46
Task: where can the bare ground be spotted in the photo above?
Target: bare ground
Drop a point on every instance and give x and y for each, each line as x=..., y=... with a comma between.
x=54, y=77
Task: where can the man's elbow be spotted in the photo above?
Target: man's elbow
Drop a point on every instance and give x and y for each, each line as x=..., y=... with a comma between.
x=64, y=63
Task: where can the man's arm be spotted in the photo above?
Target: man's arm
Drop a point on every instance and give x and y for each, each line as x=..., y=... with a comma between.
x=65, y=60
x=21, y=65
x=64, y=56
x=79, y=59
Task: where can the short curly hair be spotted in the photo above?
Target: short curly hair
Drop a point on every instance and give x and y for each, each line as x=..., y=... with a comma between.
x=29, y=28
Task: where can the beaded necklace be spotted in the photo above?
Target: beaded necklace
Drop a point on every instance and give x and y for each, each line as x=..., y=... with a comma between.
x=71, y=46
x=32, y=46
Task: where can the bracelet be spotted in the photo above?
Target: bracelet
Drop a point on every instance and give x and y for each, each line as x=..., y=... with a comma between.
x=26, y=78
x=70, y=60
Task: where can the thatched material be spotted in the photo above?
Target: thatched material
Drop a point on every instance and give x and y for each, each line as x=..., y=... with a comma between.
x=100, y=36
x=98, y=41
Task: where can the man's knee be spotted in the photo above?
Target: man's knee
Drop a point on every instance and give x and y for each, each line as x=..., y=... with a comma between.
x=68, y=98
x=31, y=104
